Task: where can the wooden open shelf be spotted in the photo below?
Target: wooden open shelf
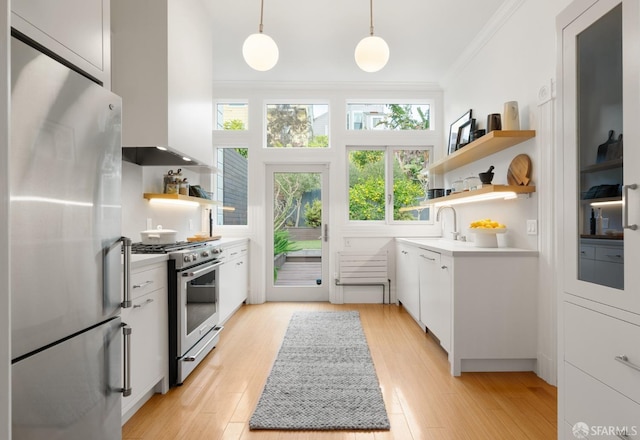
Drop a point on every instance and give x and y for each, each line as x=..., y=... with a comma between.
x=200, y=200
x=484, y=190
x=494, y=141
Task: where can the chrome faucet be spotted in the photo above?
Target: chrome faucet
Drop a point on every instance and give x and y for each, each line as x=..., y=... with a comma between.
x=455, y=230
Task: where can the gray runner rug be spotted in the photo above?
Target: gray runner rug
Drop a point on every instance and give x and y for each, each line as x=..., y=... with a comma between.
x=323, y=378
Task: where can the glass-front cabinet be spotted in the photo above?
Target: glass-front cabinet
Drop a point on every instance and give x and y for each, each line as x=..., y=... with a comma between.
x=598, y=172
x=601, y=156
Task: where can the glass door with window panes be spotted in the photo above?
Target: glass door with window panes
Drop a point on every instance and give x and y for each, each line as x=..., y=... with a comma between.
x=297, y=233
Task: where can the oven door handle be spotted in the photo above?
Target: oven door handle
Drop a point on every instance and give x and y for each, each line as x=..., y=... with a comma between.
x=216, y=331
x=197, y=273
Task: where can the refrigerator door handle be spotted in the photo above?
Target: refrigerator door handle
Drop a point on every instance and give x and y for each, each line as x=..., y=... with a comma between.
x=126, y=275
x=126, y=373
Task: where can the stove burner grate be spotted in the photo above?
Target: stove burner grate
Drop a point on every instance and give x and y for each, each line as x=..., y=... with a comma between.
x=140, y=248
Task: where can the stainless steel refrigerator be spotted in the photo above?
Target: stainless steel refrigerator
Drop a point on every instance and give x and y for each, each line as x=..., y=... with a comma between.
x=65, y=223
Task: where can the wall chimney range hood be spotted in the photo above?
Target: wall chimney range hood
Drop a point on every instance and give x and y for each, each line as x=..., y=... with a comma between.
x=158, y=156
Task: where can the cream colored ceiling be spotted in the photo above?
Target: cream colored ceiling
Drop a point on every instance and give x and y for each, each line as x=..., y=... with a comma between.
x=317, y=39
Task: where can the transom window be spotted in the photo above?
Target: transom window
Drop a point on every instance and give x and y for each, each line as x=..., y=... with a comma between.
x=232, y=116
x=381, y=116
x=297, y=125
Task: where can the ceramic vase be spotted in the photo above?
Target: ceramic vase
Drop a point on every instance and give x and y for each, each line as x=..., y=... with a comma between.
x=511, y=116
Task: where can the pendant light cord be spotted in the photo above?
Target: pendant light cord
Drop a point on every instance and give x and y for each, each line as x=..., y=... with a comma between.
x=371, y=17
x=262, y=12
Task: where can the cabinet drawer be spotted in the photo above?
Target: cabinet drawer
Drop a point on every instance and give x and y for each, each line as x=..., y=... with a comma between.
x=145, y=281
x=236, y=252
x=610, y=254
x=588, y=252
x=592, y=342
x=591, y=402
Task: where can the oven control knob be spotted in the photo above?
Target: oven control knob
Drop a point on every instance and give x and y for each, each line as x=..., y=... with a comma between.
x=205, y=254
x=187, y=258
x=194, y=257
x=216, y=250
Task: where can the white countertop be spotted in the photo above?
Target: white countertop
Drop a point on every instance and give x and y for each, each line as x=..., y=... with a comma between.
x=463, y=248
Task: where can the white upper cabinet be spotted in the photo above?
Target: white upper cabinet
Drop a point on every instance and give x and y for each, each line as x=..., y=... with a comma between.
x=601, y=159
x=76, y=30
x=162, y=68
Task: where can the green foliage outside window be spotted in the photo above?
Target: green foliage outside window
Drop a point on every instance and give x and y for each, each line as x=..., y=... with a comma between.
x=234, y=124
x=313, y=213
x=401, y=118
x=367, y=183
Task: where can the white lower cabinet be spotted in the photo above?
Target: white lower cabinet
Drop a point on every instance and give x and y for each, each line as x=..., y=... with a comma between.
x=596, y=407
x=147, y=318
x=601, y=370
x=234, y=276
x=480, y=304
x=435, y=295
x=407, y=280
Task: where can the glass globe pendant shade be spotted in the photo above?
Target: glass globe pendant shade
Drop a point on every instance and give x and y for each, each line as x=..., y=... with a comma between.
x=372, y=54
x=260, y=52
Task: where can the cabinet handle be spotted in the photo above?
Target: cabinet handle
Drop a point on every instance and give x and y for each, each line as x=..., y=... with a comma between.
x=126, y=371
x=443, y=267
x=138, y=306
x=141, y=285
x=623, y=359
x=405, y=252
x=614, y=256
x=625, y=211
x=126, y=274
x=427, y=258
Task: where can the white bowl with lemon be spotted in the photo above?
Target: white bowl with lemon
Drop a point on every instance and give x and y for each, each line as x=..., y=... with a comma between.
x=486, y=231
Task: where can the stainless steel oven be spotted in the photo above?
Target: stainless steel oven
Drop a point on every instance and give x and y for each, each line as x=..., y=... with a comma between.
x=194, y=283
x=197, y=316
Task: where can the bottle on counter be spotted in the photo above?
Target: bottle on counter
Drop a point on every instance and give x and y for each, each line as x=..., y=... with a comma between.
x=599, y=222
x=592, y=223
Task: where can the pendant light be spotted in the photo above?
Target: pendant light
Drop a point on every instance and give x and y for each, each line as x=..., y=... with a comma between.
x=259, y=50
x=372, y=53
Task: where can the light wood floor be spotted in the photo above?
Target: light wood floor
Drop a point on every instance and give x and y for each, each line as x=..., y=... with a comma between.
x=423, y=401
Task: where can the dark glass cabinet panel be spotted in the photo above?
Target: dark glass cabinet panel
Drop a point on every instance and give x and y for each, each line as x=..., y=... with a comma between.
x=600, y=150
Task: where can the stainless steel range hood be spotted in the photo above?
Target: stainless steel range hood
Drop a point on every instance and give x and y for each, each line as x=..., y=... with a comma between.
x=161, y=156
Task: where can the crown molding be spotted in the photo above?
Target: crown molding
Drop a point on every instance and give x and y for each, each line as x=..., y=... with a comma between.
x=502, y=15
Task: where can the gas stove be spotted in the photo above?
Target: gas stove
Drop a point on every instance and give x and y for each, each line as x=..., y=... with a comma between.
x=185, y=253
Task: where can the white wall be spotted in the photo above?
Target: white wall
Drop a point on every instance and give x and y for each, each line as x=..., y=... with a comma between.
x=5, y=306
x=136, y=181
x=514, y=61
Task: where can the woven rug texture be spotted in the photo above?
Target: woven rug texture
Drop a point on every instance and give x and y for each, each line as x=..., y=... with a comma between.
x=323, y=378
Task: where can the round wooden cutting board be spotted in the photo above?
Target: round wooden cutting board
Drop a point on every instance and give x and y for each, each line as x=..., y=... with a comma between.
x=519, y=171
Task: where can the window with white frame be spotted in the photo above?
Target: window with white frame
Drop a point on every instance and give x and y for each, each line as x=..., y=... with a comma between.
x=388, y=184
x=232, y=116
x=297, y=125
x=386, y=116
x=232, y=185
